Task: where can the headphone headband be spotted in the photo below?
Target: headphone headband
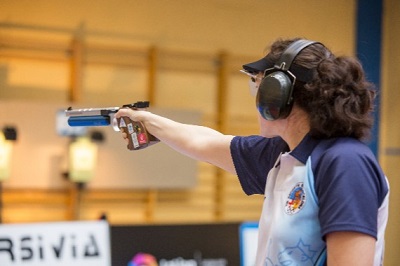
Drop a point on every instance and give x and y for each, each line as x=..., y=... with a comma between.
x=290, y=53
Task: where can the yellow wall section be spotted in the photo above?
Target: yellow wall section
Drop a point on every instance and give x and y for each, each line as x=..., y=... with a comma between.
x=242, y=29
x=390, y=125
x=240, y=26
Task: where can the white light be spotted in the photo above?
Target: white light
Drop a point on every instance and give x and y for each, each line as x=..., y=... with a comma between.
x=82, y=160
x=5, y=157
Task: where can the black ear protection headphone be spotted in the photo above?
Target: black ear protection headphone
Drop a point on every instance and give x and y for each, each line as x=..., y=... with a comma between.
x=274, y=98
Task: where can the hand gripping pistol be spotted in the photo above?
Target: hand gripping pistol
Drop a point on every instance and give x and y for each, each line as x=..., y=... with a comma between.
x=137, y=134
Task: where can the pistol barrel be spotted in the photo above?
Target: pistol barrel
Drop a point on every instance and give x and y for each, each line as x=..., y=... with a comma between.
x=89, y=121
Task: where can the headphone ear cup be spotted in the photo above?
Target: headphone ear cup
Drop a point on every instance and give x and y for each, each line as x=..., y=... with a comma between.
x=273, y=97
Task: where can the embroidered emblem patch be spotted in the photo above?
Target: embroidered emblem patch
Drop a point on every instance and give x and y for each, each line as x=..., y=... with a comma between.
x=296, y=199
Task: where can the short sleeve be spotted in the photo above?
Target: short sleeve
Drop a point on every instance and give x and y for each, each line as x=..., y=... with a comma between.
x=253, y=157
x=350, y=187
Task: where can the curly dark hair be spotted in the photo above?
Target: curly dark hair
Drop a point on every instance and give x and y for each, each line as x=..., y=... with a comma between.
x=339, y=99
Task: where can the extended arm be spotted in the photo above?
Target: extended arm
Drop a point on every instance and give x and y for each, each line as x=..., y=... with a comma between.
x=198, y=142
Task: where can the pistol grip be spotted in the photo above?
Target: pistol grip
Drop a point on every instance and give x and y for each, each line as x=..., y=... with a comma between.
x=137, y=134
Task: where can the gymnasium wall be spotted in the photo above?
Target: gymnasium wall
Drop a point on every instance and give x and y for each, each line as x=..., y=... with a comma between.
x=184, y=55
x=390, y=126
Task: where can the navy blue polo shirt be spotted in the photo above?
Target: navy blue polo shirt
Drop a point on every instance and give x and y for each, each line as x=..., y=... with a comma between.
x=322, y=186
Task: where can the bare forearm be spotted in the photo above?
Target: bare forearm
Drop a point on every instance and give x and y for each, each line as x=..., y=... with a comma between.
x=186, y=138
x=197, y=142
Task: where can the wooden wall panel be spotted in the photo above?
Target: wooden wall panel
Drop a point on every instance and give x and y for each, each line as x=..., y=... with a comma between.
x=23, y=206
x=170, y=62
x=133, y=206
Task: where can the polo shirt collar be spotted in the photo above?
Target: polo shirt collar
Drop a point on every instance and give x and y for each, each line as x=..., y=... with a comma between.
x=304, y=149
